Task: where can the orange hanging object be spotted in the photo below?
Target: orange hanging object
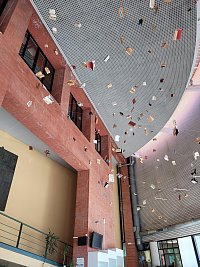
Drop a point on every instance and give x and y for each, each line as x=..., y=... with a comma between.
x=89, y=64
x=121, y=12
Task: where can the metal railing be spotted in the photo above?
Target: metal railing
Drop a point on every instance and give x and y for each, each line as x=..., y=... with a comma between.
x=25, y=237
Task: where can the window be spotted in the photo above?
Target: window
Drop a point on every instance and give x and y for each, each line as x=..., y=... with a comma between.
x=98, y=142
x=75, y=112
x=3, y=4
x=37, y=61
x=169, y=253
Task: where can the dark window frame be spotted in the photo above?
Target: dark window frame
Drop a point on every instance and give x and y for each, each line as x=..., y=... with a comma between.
x=39, y=51
x=98, y=144
x=75, y=113
x=163, y=245
x=3, y=5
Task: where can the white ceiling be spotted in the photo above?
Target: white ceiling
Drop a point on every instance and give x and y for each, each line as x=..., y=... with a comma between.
x=175, y=206
x=99, y=36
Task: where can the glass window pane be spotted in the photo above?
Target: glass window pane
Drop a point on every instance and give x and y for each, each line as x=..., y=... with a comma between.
x=178, y=260
x=169, y=243
x=23, y=44
x=30, y=52
x=79, y=118
x=40, y=63
x=159, y=245
x=164, y=244
x=3, y=4
x=175, y=243
x=176, y=250
x=49, y=74
x=73, y=110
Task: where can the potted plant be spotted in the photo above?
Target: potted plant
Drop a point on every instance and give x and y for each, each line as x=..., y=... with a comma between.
x=65, y=252
x=51, y=244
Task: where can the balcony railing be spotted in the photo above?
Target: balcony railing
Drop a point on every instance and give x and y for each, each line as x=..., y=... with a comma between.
x=25, y=237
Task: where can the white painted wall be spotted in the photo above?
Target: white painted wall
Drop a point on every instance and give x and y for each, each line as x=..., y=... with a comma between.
x=187, y=252
x=154, y=254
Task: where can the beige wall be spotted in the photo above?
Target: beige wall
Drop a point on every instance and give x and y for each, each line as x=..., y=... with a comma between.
x=116, y=210
x=43, y=192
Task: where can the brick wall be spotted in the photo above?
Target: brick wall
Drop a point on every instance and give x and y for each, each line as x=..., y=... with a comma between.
x=94, y=208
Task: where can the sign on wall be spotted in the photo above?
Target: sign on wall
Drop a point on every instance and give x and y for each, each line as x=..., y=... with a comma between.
x=80, y=262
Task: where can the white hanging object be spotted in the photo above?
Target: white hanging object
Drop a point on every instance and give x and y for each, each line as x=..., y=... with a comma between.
x=196, y=155
x=152, y=186
x=144, y=202
x=78, y=25
x=54, y=30
x=107, y=58
x=151, y=3
x=52, y=14
x=117, y=137
x=48, y=99
x=111, y=178
x=166, y=158
x=29, y=103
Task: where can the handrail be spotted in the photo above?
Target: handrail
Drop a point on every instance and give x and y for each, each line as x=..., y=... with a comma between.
x=21, y=242
x=29, y=226
x=33, y=228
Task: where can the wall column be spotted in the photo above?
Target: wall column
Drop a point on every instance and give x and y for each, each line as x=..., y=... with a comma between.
x=81, y=215
x=154, y=254
x=131, y=250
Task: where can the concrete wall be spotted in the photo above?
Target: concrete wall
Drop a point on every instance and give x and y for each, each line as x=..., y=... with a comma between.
x=154, y=254
x=42, y=186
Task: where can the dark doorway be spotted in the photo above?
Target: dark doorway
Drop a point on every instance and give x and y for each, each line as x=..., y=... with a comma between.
x=8, y=163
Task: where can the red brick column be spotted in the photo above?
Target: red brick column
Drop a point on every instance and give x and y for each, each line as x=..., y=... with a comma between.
x=81, y=215
x=14, y=22
x=106, y=151
x=88, y=124
x=131, y=250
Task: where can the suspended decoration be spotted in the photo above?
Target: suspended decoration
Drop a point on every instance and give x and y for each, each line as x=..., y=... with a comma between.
x=121, y=12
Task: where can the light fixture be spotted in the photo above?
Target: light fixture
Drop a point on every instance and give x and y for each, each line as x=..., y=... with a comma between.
x=106, y=185
x=48, y=99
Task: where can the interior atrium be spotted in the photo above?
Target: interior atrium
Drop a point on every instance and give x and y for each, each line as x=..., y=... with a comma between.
x=99, y=133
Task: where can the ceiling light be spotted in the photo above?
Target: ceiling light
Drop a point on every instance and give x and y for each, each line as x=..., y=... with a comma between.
x=106, y=185
x=138, y=208
x=80, y=104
